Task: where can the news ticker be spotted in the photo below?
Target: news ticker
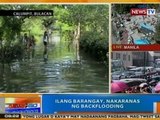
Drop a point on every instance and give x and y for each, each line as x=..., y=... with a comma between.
x=26, y=12
x=52, y=116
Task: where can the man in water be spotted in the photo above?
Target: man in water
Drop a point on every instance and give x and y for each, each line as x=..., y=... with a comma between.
x=25, y=40
x=45, y=39
x=45, y=55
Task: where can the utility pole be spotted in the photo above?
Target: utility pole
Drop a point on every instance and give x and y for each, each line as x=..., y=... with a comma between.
x=144, y=63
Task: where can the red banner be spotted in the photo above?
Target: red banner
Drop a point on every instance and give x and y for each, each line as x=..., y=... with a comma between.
x=126, y=47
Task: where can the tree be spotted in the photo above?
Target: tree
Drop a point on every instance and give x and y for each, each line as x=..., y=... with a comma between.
x=82, y=19
x=12, y=26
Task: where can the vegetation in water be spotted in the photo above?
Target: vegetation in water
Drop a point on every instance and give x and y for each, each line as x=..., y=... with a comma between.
x=85, y=26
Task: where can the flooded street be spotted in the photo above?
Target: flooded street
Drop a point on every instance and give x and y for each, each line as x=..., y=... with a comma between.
x=54, y=70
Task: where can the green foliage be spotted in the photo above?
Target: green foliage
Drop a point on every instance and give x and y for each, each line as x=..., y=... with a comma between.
x=12, y=29
x=9, y=53
x=93, y=21
x=95, y=45
x=87, y=15
x=34, y=26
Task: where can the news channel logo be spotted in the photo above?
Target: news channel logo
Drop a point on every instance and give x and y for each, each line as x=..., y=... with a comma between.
x=22, y=105
x=142, y=11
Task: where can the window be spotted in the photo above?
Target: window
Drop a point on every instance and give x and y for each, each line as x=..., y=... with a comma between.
x=117, y=55
x=129, y=58
x=124, y=57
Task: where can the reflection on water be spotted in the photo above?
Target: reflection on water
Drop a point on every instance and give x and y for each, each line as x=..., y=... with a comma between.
x=45, y=55
x=54, y=70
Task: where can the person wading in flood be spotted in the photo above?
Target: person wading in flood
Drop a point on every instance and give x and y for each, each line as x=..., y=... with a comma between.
x=45, y=42
x=25, y=40
x=45, y=55
x=32, y=45
x=45, y=39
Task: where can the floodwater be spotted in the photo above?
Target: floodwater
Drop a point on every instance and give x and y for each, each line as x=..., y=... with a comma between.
x=54, y=70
